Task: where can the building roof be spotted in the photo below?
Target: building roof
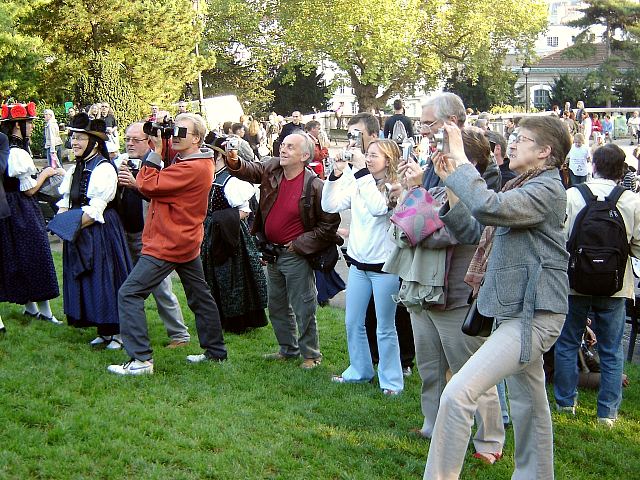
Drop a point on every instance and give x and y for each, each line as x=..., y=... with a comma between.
x=560, y=60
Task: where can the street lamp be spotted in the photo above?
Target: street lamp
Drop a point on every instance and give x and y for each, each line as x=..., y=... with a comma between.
x=525, y=71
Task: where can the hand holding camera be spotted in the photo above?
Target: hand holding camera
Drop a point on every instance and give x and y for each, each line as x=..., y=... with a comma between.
x=125, y=177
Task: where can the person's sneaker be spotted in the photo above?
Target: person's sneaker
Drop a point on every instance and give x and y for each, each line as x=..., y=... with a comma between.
x=310, y=363
x=132, y=367
x=391, y=393
x=99, y=341
x=202, y=357
x=115, y=343
x=51, y=319
x=406, y=372
x=177, y=344
x=569, y=410
x=607, y=422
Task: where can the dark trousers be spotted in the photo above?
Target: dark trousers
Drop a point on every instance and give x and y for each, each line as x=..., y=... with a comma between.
x=403, y=327
x=145, y=277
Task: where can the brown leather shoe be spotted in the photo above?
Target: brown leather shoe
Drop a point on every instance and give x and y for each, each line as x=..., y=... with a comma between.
x=310, y=363
x=177, y=344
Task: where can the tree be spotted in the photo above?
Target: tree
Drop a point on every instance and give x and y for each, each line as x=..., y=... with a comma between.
x=152, y=41
x=21, y=56
x=389, y=47
x=570, y=89
x=619, y=17
x=486, y=91
x=298, y=88
x=243, y=39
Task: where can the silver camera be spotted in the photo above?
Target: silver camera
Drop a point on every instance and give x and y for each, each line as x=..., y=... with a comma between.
x=407, y=149
x=232, y=143
x=441, y=140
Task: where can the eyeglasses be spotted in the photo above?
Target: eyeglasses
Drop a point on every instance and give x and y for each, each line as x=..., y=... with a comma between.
x=428, y=125
x=78, y=138
x=134, y=140
x=522, y=138
x=371, y=155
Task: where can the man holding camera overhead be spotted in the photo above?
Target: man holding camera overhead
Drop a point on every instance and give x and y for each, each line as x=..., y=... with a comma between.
x=131, y=207
x=171, y=240
x=287, y=232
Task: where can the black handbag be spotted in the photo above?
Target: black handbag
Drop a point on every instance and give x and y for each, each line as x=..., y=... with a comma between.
x=324, y=260
x=475, y=324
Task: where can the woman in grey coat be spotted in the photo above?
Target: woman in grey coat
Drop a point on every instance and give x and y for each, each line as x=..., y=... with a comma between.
x=519, y=276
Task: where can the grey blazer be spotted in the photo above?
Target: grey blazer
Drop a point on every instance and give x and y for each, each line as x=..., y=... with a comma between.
x=527, y=268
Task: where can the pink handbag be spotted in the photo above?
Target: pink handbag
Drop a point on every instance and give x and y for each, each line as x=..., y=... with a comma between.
x=417, y=216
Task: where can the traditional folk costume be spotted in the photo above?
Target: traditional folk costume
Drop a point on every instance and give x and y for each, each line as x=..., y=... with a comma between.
x=27, y=272
x=96, y=259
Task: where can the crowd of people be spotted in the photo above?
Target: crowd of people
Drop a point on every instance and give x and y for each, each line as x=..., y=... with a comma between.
x=468, y=225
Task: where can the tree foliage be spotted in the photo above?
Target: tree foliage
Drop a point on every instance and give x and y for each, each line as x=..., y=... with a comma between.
x=620, y=19
x=242, y=37
x=485, y=91
x=389, y=47
x=21, y=56
x=298, y=88
x=152, y=41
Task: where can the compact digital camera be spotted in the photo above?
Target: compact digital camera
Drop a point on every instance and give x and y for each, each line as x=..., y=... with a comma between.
x=441, y=140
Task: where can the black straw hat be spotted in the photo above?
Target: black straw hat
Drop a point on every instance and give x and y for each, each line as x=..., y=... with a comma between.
x=82, y=123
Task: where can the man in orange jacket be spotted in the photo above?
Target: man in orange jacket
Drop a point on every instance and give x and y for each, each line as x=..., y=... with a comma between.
x=171, y=241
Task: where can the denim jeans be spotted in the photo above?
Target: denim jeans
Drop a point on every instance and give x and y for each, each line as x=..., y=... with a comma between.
x=359, y=288
x=608, y=325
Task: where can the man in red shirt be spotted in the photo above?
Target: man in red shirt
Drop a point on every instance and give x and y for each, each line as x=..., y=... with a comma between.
x=320, y=152
x=292, y=233
x=171, y=240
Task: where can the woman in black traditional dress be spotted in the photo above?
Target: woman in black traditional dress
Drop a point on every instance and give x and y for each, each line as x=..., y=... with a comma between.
x=27, y=273
x=95, y=256
x=230, y=258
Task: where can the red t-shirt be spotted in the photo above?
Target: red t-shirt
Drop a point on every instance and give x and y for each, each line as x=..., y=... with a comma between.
x=283, y=223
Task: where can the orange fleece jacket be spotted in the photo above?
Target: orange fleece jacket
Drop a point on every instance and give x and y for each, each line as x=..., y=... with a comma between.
x=179, y=194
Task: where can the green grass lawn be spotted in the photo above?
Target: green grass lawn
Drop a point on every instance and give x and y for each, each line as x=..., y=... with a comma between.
x=63, y=416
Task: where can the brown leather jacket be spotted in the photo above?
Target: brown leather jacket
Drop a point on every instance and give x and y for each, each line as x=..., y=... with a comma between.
x=268, y=174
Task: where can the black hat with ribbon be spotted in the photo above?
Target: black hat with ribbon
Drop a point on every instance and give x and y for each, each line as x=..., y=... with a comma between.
x=82, y=123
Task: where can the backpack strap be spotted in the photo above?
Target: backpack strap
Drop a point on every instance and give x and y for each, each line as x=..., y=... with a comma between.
x=586, y=193
x=615, y=194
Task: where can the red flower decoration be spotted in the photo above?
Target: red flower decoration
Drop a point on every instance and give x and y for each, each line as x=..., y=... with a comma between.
x=5, y=111
x=31, y=109
x=18, y=111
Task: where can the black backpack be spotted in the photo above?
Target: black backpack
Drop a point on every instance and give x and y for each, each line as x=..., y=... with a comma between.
x=598, y=246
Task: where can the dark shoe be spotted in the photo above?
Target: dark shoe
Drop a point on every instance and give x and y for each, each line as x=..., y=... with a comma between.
x=279, y=356
x=50, y=319
x=324, y=303
x=30, y=315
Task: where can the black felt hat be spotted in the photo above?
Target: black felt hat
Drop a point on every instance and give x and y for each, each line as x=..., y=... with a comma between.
x=82, y=123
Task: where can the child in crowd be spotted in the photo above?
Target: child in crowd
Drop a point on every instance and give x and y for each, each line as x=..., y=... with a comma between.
x=579, y=160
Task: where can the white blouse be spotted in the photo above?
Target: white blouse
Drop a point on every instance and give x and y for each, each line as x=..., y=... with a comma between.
x=238, y=193
x=21, y=166
x=102, y=187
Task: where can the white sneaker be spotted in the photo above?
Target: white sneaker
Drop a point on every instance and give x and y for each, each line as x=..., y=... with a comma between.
x=132, y=367
x=570, y=410
x=99, y=340
x=196, y=358
x=607, y=422
x=115, y=343
x=406, y=372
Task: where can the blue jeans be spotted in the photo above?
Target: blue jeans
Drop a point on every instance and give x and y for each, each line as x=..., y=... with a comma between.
x=360, y=285
x=608, y=325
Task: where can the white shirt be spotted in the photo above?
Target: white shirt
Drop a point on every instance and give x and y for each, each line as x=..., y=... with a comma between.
x=21, y=166
x=368, y=239
x=578, y=158
x=100, y=191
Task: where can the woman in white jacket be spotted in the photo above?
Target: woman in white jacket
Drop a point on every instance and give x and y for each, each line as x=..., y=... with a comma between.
x=364, y=191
